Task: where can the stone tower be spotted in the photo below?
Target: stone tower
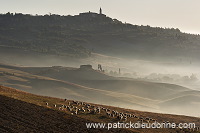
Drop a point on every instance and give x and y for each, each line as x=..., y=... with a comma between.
x=100, y=11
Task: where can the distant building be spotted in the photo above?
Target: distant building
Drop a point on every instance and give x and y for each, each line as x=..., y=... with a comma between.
x=86, y=67
x=88, y=14
x=92, y=14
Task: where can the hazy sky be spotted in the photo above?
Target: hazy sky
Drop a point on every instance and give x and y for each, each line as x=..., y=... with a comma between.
x=182, y=14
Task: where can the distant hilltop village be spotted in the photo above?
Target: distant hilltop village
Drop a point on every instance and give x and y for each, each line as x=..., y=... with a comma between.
x=87, y=16
x=93, y=14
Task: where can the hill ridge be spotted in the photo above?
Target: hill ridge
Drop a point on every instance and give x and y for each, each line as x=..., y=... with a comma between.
x=81, y=35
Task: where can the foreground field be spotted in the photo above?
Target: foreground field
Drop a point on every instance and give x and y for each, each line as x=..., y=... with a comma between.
x=29, y=115
x=25, y=112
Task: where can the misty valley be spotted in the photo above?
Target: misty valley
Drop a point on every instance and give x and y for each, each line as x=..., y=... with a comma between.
x=93, y=58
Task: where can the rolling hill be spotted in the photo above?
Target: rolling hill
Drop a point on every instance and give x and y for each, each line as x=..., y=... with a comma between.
x=81, y=35
x=25, y=112
x=92, y=85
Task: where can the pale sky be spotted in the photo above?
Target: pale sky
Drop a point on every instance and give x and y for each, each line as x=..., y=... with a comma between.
x=182, y=14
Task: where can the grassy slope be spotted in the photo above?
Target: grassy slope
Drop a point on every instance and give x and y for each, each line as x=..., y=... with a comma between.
x=34, y=83
x=31, y=114
x=23, y=112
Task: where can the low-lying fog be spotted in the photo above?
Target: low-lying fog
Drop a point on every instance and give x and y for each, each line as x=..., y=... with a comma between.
x=174, y=71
